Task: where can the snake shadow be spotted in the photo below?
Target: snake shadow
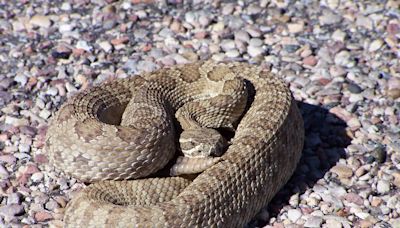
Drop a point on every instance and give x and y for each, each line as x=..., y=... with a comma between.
x=325, y=141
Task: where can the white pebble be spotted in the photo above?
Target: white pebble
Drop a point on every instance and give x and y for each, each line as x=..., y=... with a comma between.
x=106, y=46
x=294, y=214
x=375, y=45
x=383, y=186
x=313, y=221
x=83, y=45
x=45, y=114
x=254, y=51
x=21, y=79
x=37, y=177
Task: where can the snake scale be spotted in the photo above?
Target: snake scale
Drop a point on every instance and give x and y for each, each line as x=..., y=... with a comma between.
x=127, y=129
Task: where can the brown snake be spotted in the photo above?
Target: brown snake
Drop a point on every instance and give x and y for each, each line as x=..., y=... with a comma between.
x=89, y=140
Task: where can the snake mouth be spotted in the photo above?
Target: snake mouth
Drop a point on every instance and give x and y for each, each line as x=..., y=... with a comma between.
x=112, y=115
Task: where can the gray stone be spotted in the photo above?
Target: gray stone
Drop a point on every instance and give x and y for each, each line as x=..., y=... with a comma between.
x=354, y=88
x=12, y=210
x=21, y=79
x=254, y=51
x=14, y=198
x=294, y=214
x=227, y=45
x=383, y=186
x=313, y=221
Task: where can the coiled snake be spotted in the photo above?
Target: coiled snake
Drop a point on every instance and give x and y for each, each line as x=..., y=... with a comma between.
x=127, y=129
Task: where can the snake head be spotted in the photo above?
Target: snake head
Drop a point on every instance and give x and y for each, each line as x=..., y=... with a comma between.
x=202, y=142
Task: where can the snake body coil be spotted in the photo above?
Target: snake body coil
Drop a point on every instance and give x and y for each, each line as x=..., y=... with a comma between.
x=89, y=140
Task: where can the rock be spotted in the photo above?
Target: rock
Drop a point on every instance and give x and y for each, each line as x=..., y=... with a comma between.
x=354, y=88
x=64, y=28
x=396, y=180
x=395, y=93
x=392, y=202
x=51, y=205
x=227, y=45
x=120, y=40
x=294, y=214
x=24, y=148
x=329, y=18
x=375, y=202
x=343, y=58
x=30, y=169
x=5, y=97
x=147, y=66
x=37, y=177
x=3, y=172
x=256, y=42
x=232, y=53
x=81, y=44
x=294, y=200
x=395, y=222
x=179, y=59
x=375, y=45
x=341, y=113
x=393, y=28
x=242, y=36
x=342, y=171
x=140, y=34
x=291, y=48
x=254, y=51
x=66, y=6
x=21, y=78
x=310, y=61
x=12, y=210
x=8, y=158
x=362, y=215
x=41, y=21
x=354, y=198
x=16, y=121
x=295, y=27
x=332, y=223
x=45, y=114
x=61, y=52
x=253, y=9
x=42, y=216
x=364, y=22
x=41, y=159
x=379, y=153
x=52, y=91
x=333, y=4
x=227, y=9
x=106, y=46
x=394, y=87
x=383, y=186
x=354, y=123
x=313, y=221
x=14, y=198
x=338, y=35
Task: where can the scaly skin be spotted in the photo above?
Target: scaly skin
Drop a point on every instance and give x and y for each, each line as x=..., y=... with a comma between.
x=261, y=158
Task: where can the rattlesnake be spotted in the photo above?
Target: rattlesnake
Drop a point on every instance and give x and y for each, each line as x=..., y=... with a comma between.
x=124, y=129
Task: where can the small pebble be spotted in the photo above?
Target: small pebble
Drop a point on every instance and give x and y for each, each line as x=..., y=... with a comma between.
x=375, y=45
x=37, y=177
x=342, y=171
x=42, y=216
x=313, y=221
x=41, y=21
x=294, y=214
x=106, y=46
x=383, y=186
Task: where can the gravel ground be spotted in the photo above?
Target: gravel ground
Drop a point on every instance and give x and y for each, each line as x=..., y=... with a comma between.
x=341, y=59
